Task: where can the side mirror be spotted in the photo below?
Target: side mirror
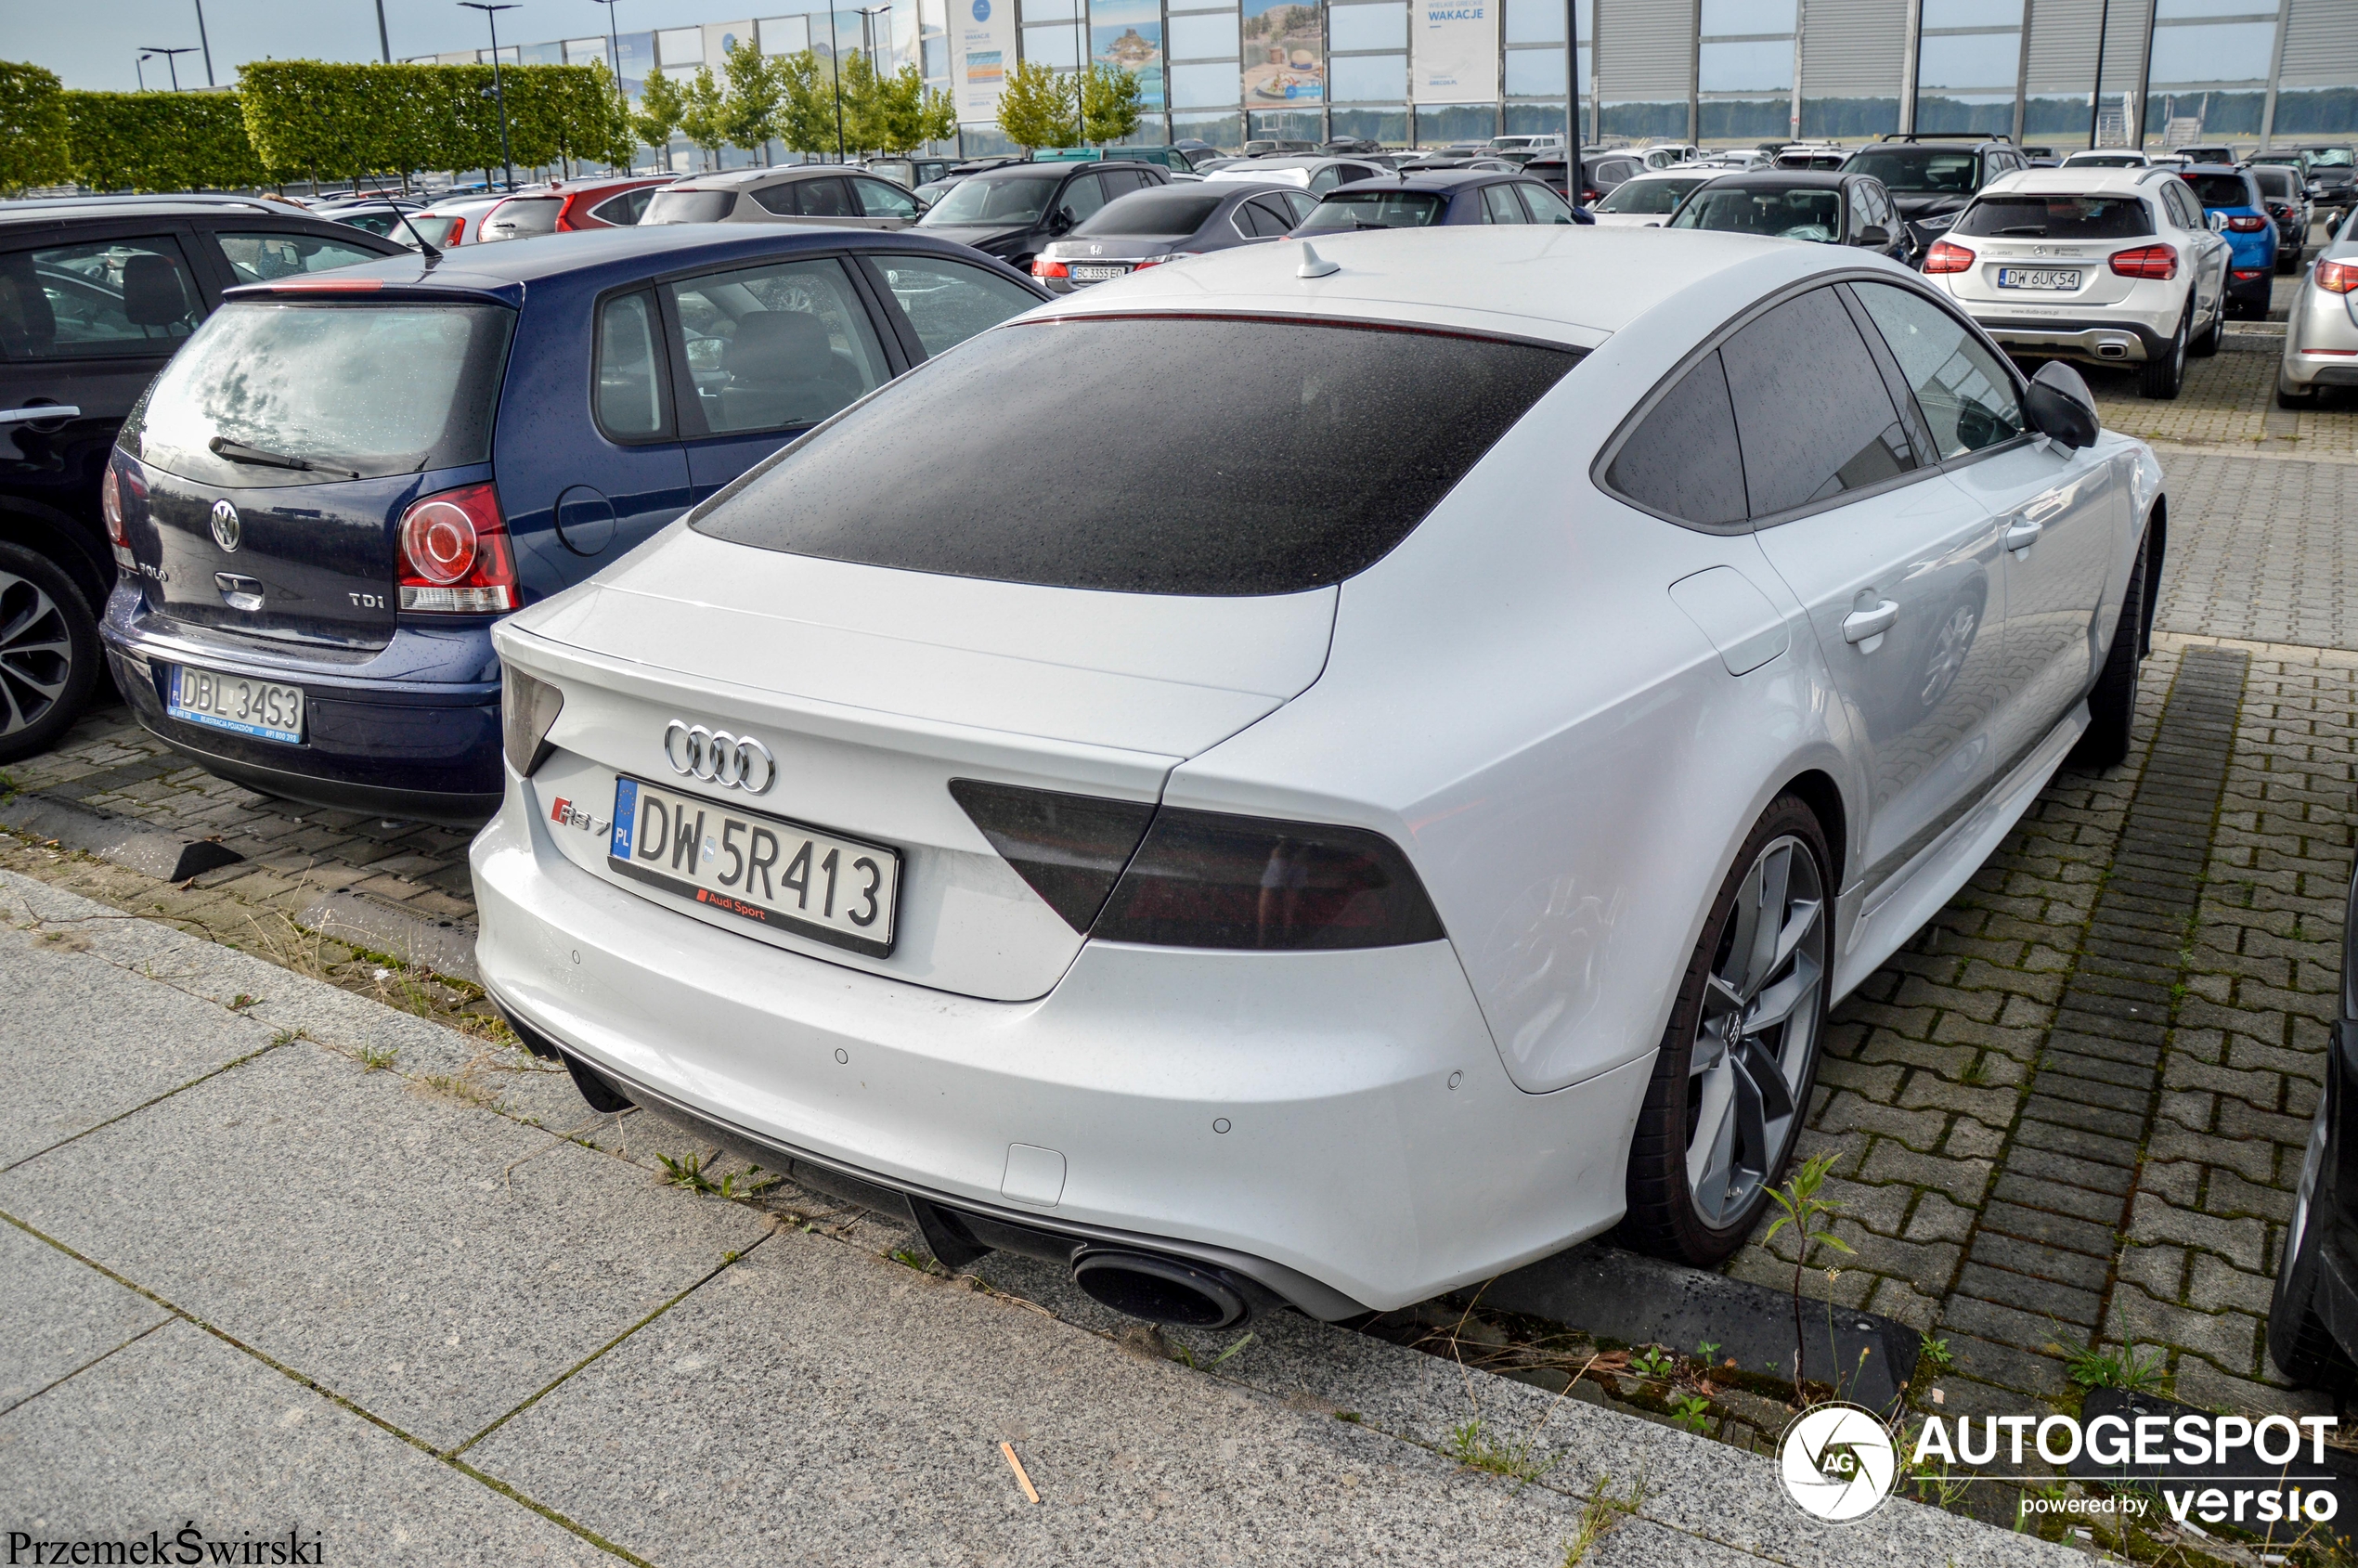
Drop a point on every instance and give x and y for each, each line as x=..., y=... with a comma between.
x=1062, y=222
x=1875, y=235
x=2060, y=407
x=2217, y=222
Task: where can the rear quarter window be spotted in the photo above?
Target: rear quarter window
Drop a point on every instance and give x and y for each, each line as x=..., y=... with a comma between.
x=1263, y=455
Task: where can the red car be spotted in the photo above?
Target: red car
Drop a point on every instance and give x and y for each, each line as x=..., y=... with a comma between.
x=565, y=207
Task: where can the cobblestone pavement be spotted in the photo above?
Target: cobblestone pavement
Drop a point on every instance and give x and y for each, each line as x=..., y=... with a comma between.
x=1979, y=1209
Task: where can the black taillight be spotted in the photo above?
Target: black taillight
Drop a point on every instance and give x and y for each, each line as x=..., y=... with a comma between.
x=1167, y=877
x=1205, y=879
x=1069, y=848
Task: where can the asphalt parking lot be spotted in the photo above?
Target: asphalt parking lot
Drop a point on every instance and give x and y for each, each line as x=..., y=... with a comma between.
x=2069, y=1113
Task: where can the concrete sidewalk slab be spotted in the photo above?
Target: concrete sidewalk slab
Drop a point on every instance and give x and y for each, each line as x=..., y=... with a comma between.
x=818, y=1404
x=427, y=1259
x=57, y=1316
x=77, y=1046
x=181, y=1428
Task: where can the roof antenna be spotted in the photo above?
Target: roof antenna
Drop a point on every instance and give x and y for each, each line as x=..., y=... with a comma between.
x=433, y=256
x=1314, y=265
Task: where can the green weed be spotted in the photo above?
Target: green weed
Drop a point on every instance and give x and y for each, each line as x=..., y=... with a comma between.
x=1653, y=1364
x=1517, y=1460
x=2132, y=1369
x=1693, y=1412
x=694, y=1172
x=1602, y=1512
x=375, y=1059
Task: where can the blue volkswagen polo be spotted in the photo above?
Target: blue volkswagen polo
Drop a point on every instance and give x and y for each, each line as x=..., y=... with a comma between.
x=342, y=479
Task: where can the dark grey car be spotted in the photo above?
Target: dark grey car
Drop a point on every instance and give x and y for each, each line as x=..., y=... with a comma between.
x=1015, y=211
x=1148, y=228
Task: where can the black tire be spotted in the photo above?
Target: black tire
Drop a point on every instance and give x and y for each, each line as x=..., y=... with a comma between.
x=2210, y=342
x=2161, y=379
x=49, y=655
x=2112, y=707
x=1663, y=1217
x=2299, y=1342
x=596, y=1087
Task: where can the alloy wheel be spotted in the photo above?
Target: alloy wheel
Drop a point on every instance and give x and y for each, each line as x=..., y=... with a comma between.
x=1763, y=1008
x=37, y=654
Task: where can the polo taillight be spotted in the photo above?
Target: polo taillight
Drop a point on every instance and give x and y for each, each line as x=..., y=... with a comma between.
x=1946, y=257
x=2337, y=277
x=1130, y=871
x=1042, y=266
x=2146, y=261
x=455, y=558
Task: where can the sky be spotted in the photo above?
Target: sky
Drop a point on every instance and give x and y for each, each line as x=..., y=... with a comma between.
x=92, y=44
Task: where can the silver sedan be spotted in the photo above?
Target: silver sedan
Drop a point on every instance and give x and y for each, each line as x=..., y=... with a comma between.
x=2321, y=336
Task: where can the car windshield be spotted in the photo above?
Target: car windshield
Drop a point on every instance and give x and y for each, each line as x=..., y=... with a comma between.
x=2055, y=217
x=690, y=206
x=2219, y=190
x=2103, y=160
x=1649, y=196
x=360, y=390
x=1263, y=455
x=1813, y=213
x=1010, y=200
x=1346, y=209
x=2330, y=157
x=1917, y=170
x=1170, y=211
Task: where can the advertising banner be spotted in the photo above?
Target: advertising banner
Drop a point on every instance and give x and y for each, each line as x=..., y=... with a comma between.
x=983, y=47
x=1453, y=55
x=1285, y=54
x=1128, y=34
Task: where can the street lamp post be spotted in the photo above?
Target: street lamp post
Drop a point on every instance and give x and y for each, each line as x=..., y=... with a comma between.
x=207, y=44
x=868, y=14
x=168, y=54
x=613, y=42
x=834, y=69
x=2096, y=88
x=139, y=64
x=384, y=39
x=498, y=91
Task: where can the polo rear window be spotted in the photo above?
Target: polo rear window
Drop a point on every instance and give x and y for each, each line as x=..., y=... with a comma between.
x=2057, y=217
x=2220, y=190
x=1261, y=456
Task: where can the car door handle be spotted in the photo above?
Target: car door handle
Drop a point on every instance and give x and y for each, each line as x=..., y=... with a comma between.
x=2024, y=532
x=40, y=411
x=1860, y=625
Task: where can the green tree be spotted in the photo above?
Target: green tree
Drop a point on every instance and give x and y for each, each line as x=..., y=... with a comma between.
x=807, y=120
x=1037, y=108
x=937, y=120
x=601, y=126
x=159, y=141
x=906, y=116
x=700, y=115
x=33, y=128
x=749, y=110
x=658, y=114
x=1109, y=102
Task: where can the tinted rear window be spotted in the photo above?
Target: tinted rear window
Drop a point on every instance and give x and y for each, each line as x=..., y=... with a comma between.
x=1918, y=171
x=2220, y=190
x=2057, y=217
x=518, y=220
x=359, y=389
x=1261, y=456
x=1345, y=210
x=1647, y=196
x=690, y=206
x=1159, y=210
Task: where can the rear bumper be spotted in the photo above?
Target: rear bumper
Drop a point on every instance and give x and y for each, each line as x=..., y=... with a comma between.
x=411, y=730
x=2105, y=342
x=1335, y=1126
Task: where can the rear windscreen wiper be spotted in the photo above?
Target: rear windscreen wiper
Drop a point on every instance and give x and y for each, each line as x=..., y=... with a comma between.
x=2035, y=231
x=238, y=451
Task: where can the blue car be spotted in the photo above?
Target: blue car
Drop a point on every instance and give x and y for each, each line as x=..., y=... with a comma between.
x=2234, y=197
x=1434, y=197
x=342, y=479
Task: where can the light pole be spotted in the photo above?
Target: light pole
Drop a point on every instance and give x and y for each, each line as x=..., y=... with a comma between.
x=168, y=54
x=491, y=14
x=835, y=68
x=139, y=64
x=613, y=42
x=384, y=39
x=207, y=44
x=2096, y=88
x=868, y=14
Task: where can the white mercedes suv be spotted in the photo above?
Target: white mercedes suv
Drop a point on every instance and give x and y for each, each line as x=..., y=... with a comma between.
x=2114, y=266
x=1404, y=807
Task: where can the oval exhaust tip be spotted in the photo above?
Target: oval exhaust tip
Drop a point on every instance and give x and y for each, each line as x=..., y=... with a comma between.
x=1159, y=1289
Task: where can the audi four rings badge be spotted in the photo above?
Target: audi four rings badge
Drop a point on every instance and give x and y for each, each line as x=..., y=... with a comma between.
x=717, y=756
x=226, y=529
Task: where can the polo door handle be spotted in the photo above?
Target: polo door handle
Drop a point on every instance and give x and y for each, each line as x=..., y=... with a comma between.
x=38, y=412
x=1860, y=625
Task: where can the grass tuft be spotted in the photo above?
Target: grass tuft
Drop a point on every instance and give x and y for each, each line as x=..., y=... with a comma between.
x=1519, y=1461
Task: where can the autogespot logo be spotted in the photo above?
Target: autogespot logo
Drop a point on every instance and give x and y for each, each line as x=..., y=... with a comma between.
x=1838, y=1462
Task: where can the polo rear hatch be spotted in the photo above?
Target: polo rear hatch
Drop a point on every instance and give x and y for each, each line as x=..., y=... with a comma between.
x=972, y=663
x=309, y=467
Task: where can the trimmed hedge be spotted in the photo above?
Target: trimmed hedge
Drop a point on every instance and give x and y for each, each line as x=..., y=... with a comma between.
x=159, y=141
x=33, y=128
x=321, y=121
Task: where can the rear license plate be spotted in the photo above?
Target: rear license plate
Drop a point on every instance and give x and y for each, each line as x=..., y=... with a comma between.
x=2056, y=279
x=263, y=710
x=1097, y=274
x=757, y=867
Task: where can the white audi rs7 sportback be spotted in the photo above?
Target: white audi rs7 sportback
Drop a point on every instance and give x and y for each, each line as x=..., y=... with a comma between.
x=1316, y=776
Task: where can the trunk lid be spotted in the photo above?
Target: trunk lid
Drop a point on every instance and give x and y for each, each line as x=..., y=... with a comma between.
x=872, y=689
x=2099, y=285
x=311, y=563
